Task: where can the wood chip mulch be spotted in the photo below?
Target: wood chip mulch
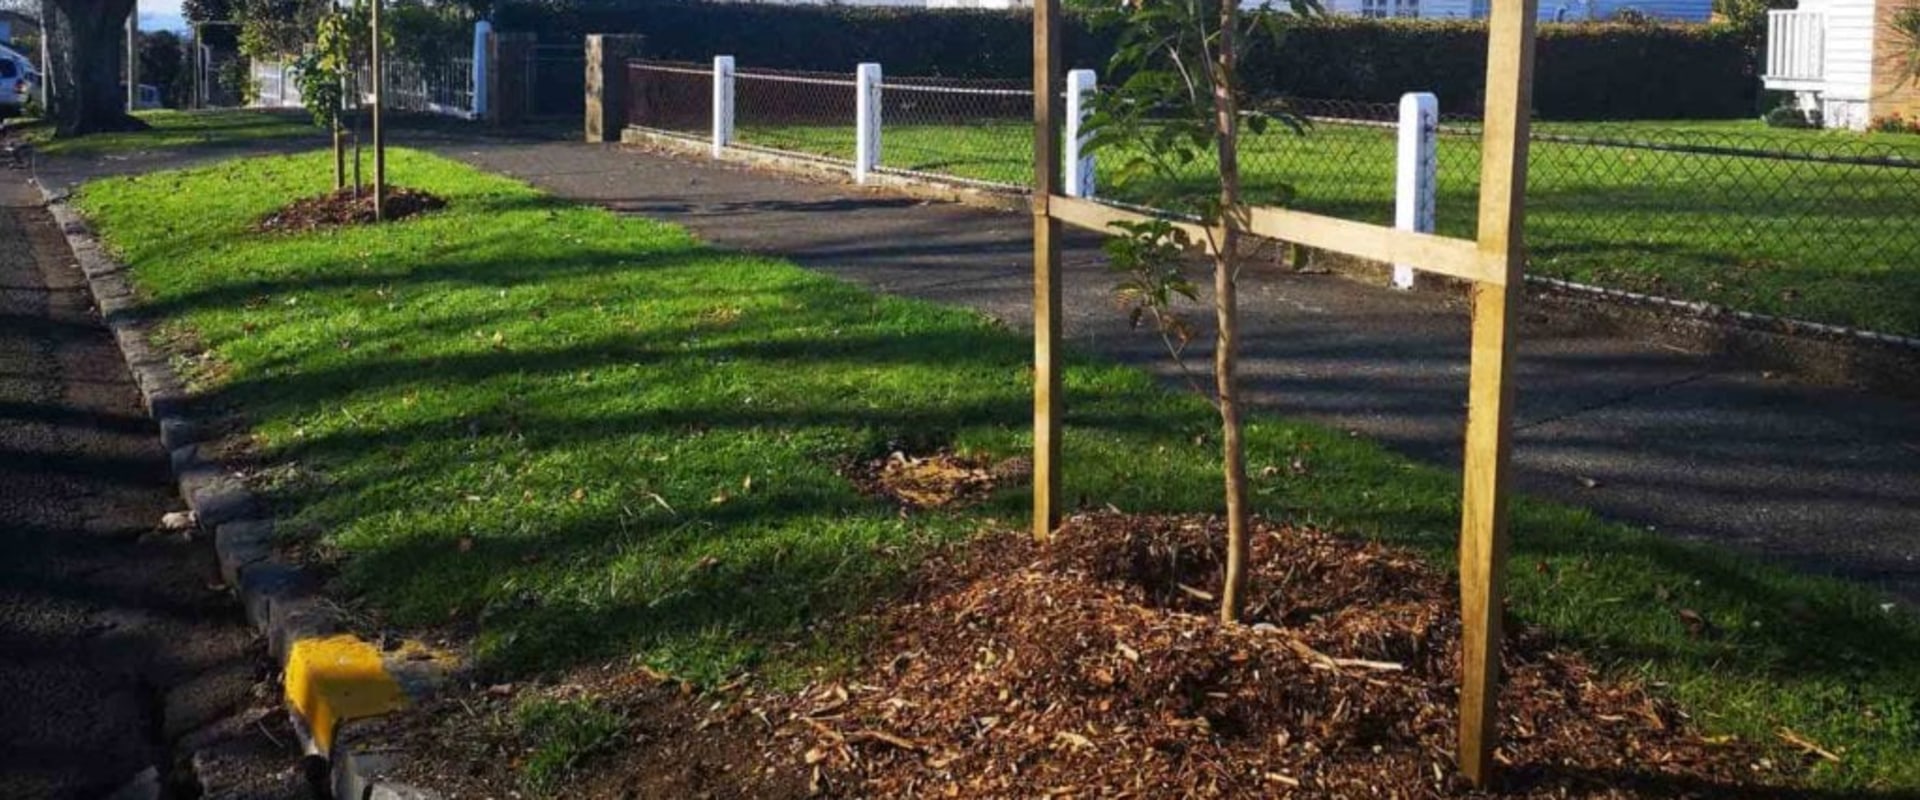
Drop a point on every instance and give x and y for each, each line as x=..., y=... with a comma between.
x=1093, y=668
x=342, y=208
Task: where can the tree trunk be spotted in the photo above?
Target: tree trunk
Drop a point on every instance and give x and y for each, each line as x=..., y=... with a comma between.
x=87, y=51
x=1226, y=117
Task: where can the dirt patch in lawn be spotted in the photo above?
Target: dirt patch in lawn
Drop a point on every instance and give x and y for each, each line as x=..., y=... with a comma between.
x=936, y=480
x=343, y=208
x=1093, y=668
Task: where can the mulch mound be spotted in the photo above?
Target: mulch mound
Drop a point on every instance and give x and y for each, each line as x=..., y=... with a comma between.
x=1093, y=668
x=341, y=208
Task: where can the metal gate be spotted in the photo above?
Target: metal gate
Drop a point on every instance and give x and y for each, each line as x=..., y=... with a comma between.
x=556, y=80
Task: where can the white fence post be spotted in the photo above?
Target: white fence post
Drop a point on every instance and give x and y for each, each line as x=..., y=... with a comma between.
x=722, y=104
x=1418, y=170
x=1078, y=162
x=481, y=31
x=866, y=144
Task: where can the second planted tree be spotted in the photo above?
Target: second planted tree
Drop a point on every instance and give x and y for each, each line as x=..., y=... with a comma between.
x=1174, y=124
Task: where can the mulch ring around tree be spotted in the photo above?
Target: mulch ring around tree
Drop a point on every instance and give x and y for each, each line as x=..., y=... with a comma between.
x=1093, y=668
x=344, y=207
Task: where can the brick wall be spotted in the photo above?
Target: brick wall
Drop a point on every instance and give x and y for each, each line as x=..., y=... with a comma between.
x=1894, y=92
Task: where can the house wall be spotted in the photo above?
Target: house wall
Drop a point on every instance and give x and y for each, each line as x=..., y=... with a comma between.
x=1669, y=10
x=1893, y=92
x=1429, y=9
x=1849, y=50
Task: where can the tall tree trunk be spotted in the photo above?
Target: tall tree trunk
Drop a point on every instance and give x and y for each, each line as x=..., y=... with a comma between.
x=87, y=49
x=1226, y=107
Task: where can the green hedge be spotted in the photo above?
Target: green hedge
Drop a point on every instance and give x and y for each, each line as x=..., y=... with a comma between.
x=1586, y=71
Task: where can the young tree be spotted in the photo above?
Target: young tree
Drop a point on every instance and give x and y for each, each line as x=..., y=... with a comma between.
x=87, y=45
x=323, y=72
x=1181, y=100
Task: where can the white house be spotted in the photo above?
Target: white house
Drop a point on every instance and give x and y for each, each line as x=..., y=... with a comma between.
x=1841, y=58
x=1550, y=10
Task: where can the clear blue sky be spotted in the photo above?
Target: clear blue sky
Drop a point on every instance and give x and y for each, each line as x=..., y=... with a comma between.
x=160, y=13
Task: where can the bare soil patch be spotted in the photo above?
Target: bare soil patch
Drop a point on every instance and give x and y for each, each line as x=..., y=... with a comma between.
x=937, y=480
x=1093, y=668
x=343, y=208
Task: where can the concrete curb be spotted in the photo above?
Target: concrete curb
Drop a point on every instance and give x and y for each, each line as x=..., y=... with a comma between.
x=336, y=685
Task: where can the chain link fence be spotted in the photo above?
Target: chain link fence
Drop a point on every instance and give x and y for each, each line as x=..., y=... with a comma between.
x=807, y=113
x=1788, y=223
x=671, y=96
x=978, y=130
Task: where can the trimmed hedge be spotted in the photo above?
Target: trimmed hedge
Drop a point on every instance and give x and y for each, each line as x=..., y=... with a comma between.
x=1585, y=71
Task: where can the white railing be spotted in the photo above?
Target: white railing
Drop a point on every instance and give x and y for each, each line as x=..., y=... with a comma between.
x=1796, y=46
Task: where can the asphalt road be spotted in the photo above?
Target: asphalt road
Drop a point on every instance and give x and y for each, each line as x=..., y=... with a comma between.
x=104, y=620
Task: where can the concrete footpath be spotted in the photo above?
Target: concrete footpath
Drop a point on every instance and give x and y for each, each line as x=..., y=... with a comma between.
x=1694, y=446
x=117, y=639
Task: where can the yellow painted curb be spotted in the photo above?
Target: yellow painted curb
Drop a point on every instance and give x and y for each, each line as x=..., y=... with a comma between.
x=336, y=679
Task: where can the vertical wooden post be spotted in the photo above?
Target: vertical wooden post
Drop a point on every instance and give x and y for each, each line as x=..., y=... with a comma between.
x=1496, y=310
x=379, y=132
x=1046, y=269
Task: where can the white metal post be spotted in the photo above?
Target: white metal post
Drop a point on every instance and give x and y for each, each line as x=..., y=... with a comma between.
x=1418, y=169
x=1078, y=180
x=866, y=145
x=482, y=31
x=722, y=104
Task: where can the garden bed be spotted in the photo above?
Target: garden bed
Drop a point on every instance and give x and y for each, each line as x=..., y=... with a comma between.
x=352, y=206
x=1094, y=668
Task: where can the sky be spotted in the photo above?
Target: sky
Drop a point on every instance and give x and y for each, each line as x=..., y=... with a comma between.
x=159, y=14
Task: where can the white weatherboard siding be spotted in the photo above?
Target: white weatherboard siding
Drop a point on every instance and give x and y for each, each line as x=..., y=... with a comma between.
x=1550, y=10
x=1849, y=48
x=1424, y=9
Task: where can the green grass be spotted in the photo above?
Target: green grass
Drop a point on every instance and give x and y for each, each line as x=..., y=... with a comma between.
x=580, y=436
x=172, y=129
x=1829, y=243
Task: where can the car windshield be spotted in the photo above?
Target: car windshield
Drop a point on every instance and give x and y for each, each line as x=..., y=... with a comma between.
x=9, y=69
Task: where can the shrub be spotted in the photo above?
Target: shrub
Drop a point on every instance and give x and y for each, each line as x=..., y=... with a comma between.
x=1586, y=70
x=1787, y=115
x=1894, y=123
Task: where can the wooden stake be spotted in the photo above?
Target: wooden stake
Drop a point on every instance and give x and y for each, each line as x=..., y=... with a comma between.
x=379, y=132
x=1496, y=309
x=1046, y=269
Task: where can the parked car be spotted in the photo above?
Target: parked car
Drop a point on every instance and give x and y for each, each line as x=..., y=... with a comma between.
x=17, y=85
x=33, y=72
